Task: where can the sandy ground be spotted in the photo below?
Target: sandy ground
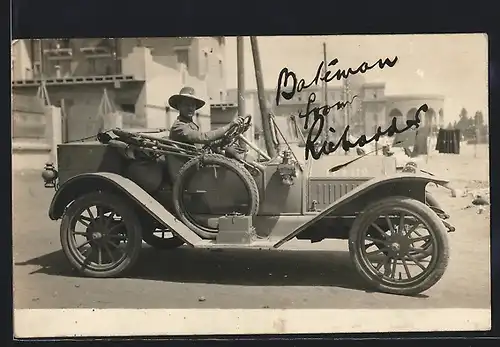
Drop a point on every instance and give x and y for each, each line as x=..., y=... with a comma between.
x=296, y=277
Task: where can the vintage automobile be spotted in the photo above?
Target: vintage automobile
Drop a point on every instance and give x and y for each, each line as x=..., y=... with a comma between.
x=134, y=186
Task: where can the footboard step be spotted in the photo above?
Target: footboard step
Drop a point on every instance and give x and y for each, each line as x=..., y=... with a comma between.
x=262, y=244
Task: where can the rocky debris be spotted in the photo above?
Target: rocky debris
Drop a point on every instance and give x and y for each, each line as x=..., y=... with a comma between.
x=459, y=193
x=478, y=185
x=483, y=193
x=480, y=198
x=480, y=201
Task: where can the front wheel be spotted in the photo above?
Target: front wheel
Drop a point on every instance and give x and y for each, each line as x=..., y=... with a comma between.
x=101, y=235
x=427, y=246
x=382, y=244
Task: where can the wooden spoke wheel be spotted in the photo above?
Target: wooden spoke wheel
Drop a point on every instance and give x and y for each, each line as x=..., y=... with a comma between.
x=399, y=245
x=101, y=235
x=425, y=247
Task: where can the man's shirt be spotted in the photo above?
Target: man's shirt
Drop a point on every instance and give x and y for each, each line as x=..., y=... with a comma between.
x=186, y=131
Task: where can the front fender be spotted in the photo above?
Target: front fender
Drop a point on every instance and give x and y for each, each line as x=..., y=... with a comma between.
x=105, y=181
x=76, y=186
x=412, y=185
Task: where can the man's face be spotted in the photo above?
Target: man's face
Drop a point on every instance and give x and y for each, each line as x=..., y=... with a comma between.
x=187, y=107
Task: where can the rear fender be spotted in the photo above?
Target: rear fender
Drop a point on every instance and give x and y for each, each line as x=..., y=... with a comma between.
x=105, y=181
x=400, y=184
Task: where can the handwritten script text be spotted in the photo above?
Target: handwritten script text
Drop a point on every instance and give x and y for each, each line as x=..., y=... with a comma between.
x=299, y=85
x=329, y=147
x=323, y=110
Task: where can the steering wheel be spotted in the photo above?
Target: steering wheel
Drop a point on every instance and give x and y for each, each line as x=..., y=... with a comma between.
x=237, y=130
x=230, y=135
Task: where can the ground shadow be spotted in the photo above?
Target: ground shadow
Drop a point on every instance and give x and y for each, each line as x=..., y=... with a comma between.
x=233, y=267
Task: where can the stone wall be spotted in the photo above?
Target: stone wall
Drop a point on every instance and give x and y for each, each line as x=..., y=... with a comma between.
x=28, y=118
x=36, y=132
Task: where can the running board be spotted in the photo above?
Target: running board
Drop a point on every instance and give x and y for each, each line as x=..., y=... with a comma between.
x=266, y=244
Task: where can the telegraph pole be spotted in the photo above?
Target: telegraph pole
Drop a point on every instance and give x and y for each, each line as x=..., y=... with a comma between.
x=241, y=75
x=240, y=55
x=267, y=125
x=345, y=92
x=348, y=105
x=325, y=93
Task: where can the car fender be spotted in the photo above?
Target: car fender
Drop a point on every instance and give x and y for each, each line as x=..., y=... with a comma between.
x=106, y=181
x=416, y=181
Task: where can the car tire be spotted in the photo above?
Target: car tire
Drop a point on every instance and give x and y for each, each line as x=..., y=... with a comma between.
x=161, y=243
x=130, y=227
x=440, y=248
x=430, y=201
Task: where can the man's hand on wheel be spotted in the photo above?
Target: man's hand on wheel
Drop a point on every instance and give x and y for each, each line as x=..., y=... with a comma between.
x=238, y=121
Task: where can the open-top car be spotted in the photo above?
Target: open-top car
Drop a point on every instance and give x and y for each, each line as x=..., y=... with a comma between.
x=134, y=186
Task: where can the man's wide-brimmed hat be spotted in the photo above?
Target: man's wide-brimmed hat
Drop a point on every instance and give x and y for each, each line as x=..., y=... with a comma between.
x=185, y=93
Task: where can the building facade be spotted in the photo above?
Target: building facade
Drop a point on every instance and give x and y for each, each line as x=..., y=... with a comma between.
x=368, y=108
x=138, y=74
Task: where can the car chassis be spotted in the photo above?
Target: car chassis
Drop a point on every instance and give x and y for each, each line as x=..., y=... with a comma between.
x=141, y=184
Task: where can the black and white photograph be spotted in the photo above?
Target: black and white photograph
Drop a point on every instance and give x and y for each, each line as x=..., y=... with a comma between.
x=250, y=185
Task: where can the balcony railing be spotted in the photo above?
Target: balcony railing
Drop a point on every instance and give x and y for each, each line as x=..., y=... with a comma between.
x=104, y=49
x=76, y=80
x=97, y=52
x=58, y=53
x=59, y=50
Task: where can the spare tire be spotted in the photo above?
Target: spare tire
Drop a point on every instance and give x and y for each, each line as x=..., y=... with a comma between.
x=184, y=211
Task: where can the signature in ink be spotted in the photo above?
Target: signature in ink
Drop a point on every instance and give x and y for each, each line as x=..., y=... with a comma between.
x=330, y=147
x=323, y=110
x=299, y=85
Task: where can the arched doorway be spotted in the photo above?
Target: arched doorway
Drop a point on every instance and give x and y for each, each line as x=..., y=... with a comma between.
x=411, y=113
x=395, y=113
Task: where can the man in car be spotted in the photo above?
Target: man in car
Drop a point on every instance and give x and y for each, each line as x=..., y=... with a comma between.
x=184, y=129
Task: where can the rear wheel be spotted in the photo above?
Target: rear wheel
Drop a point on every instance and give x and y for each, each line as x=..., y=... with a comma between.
x=101, y=235
x=382, y=244
x=161, y=238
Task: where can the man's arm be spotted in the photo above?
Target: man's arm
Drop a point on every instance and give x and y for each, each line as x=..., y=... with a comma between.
x=196, y=136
